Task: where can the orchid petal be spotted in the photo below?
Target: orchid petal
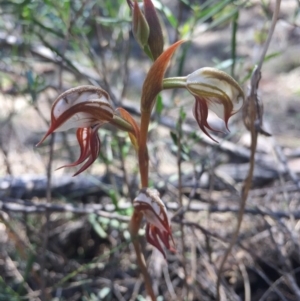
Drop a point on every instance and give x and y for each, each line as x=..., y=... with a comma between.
x=200, y=111
x=152, y=238
x=89, y=142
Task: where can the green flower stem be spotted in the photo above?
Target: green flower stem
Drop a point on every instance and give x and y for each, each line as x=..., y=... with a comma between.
x=122, y=124
x=174, y=82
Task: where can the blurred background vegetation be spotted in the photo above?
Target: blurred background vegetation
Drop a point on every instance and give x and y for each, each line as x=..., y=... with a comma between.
x=65, y=238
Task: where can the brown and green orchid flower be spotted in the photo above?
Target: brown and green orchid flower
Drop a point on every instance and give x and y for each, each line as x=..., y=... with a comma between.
x=213, y=90
x=86, y=108
x=158, y=229
x=80, y=107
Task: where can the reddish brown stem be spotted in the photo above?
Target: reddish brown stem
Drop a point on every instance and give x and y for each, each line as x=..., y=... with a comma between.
x=143, y=151
x=134, y=227
x=136, y=219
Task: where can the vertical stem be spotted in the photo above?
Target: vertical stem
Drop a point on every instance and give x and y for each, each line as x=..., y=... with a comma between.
x=179, y=136
x=49, y=179
x=143, y=151
x=128, y=192
x=136, y=219
x=46, y=225
x=134, y=227
x=233, y=41
x=179, y=20
x=251, y=102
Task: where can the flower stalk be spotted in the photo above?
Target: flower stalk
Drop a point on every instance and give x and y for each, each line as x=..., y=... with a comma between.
x=134, y=226
x=143, y=150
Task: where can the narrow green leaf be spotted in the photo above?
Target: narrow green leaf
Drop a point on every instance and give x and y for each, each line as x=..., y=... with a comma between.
x=96, y=225
x=159, y=105
x=174, y=137
x=103, y=292
x=233, y=41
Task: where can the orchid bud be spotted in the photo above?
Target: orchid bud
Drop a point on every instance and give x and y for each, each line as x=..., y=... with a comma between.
x=158, y=230
x=156, y=39
x=140, y=26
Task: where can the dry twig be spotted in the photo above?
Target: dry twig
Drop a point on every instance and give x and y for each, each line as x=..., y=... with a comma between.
x=253, y=121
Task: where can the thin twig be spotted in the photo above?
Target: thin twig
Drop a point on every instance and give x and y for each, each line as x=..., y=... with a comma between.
x=252, y=114
x=128, y=191
x=49, y=179
x=245, y=276
x=180, y=194
x=169, y=283
x=282, y=158
x=285, y=263
x=136, y=289
x=46, y=225
x=272, y=286
x=31, y=207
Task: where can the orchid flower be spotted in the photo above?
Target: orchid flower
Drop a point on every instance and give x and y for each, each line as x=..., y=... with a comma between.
x=158, y=229
x=80, y=107
x=85, y=108
x=213, y=90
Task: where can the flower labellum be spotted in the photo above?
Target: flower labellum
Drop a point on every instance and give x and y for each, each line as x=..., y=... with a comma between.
x=158, y=230
x=89, y=143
